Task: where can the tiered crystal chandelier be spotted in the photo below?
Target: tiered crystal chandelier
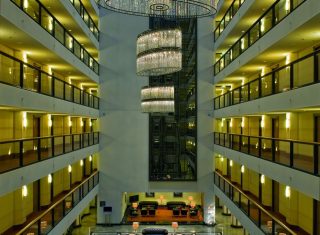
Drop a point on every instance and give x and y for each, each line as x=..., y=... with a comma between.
x=157, y=99
x=159, y=52
x=162, y=8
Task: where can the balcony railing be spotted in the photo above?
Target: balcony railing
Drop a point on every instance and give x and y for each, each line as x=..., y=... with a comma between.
x=22, y=152
x=49, y=218
x=275, y=14
x=264, y=218
x=299, y=73
x=78, y=5
x=232, y=10
x=16, y=73
x=300, y=155
x=37, y=11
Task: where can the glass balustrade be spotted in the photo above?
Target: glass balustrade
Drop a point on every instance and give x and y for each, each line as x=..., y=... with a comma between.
x=85, y=16
x=275, y=14
x=299, y=73
x=16, y=73
x=222, y=24
x=300, y=155
x=38, y=12
x=264, y=218
x=49, y=218
x=22, y=152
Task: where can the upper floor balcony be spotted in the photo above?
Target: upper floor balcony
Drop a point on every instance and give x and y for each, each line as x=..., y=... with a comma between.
x=86, y=17
x=297, y=74
x=271, y=18
x=18, y=153
x=15, y=72
x=299, y=155
x=44, y=18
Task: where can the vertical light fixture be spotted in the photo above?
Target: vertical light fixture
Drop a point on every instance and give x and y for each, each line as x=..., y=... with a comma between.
x=287, y=192
x=49, y=178
x=90, y=158
x=288, y=117
x=25, y=56
x=242, y=169
x=70, y=122
x=49, y=120
x=69, y=168
x=242, y=122
x=287, y=5
x=81, y=162
x=231, y=163
x=24, y=191
x=262, y=179
x=24, y=119
x=262, y=121
x=25, y=4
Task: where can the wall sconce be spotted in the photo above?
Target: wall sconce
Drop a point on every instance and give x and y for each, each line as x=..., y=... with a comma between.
x=70, y=122
x=288, y=55
x=81, y=162
x=69, y=168
x=287, y=192
x=262, y=179
x=287, y=5
x=24, y=191
x=50, y=23
x=50, y=70
x=230, y=124
x=24, y=119
x=288, y=120
x=90, y=158
x=90, y=123
x=222, y=122
x=161, y=199
x=25, y=54
x=262, y=28
x=231, y=163
x=221, y=159
x=49, y=120
x=263, y=71
x=49, y=178
x=242, y=169
x=242, y=43
x=81, y=122
x=262, y=121
x=70, y=43
x=135, y=205
x=242, y=122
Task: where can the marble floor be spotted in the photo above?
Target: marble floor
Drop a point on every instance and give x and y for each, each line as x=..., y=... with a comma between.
x=221, y=228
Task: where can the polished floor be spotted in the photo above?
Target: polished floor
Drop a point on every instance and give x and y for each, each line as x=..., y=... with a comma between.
x=222, y=228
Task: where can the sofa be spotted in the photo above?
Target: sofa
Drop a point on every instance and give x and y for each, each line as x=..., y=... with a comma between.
x=173, y=204
x=153, y=204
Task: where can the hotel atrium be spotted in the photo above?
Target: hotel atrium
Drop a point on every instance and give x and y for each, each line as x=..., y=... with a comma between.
x=160, y=117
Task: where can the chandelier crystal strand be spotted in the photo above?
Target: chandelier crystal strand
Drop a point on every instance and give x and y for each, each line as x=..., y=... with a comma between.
x=157, y=99
x=159, y=39
x=162, y=8
x=162, y=106
x=159, y=52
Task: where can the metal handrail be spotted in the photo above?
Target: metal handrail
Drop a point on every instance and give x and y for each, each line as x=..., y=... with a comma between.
x=42, y=214
x=271, y=138
x=44, y=137
x=257, y=204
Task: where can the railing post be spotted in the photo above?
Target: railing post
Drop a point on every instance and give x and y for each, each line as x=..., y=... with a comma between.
x=52, y=145
x=39, y=81
x=72, y=137
x=64, y=144
x=21, y=153
x=259, y=147
x=39, y=149
x=291, y=76
x=291, y=154
x=316, y=159
x=21, y=74
x=273, y=150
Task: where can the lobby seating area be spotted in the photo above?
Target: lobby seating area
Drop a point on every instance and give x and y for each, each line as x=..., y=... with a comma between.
x=152, y=212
